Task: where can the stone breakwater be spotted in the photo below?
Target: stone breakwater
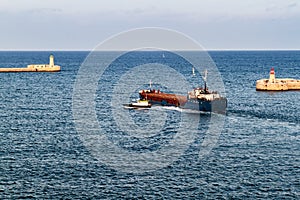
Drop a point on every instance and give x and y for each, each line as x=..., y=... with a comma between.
x=36, y=68
x=274, y=84
x=29, y=69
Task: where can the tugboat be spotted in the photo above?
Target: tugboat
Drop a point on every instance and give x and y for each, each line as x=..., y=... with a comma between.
x=200, y=99
x=139, y=104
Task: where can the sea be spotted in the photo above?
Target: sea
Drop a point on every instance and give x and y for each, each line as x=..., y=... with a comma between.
x=67, y=135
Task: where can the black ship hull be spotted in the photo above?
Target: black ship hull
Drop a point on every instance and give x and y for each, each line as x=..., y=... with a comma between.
x=216, y=105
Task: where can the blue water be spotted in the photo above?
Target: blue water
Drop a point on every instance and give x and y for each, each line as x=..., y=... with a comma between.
x=257, y=154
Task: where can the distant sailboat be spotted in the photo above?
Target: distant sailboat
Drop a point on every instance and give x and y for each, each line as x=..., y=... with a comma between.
x=163, y=55
x=193, y=71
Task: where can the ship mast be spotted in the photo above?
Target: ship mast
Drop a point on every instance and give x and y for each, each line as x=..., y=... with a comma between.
x=205, y=78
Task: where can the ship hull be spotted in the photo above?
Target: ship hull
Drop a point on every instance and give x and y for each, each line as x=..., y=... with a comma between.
x=216, y=106
x=137, y=106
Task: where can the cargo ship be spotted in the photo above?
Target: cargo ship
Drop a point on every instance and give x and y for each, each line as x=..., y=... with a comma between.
x=200, y=99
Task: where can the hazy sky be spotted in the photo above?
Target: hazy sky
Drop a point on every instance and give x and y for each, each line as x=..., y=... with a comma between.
x=215, y=24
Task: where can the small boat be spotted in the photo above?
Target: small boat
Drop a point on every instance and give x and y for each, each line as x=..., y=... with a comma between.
x=139, y=104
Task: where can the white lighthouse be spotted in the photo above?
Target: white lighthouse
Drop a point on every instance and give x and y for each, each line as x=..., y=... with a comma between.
x=44, y=67
x=51, y=61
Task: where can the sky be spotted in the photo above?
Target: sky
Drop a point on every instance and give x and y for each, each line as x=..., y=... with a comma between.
x=83, y=24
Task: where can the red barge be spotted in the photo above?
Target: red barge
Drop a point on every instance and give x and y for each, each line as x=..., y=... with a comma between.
x=164, y=99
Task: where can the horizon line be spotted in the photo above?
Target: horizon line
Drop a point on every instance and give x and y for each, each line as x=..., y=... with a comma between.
x=152, y=50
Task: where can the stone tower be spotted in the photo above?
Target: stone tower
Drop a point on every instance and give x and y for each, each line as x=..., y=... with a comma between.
x=51, y=61
x=272, y=76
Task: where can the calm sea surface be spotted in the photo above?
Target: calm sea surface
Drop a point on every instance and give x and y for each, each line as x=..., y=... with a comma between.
x=256, y=154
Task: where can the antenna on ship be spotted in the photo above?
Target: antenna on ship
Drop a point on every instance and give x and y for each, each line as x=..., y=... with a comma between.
x=205, y=78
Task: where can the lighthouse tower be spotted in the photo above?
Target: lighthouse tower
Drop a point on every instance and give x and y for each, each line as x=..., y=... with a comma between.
x=272, y=76
x=51, y=61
